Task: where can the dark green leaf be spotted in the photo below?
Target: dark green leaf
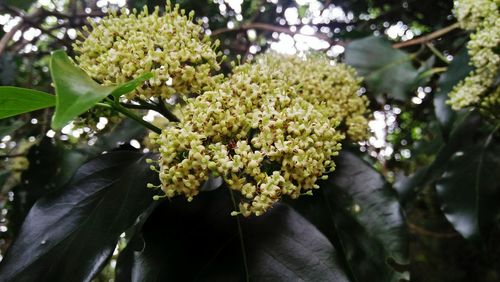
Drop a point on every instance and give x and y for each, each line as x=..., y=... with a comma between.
x=470, y=191
x=16, y=100
x=199, y=241
x=8, y=129
x=68, y=236
x=21, y=4
x=76, y=92
x=212, y=183
x=47, y=171
x=462, y=134
x=385, y=69
x=360, y=213
x=458, y=70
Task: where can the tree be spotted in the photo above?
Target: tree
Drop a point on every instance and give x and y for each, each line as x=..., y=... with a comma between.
x=226, y=140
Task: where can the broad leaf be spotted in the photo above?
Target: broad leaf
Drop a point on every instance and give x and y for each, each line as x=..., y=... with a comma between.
x=462, y=135
x=69, y=235
x=16, y=100
x=50, y=166
x=470, y=192
x=199, y=241
x=385, y=69
x=76, y=92
x=458, y=69
x=360, y=213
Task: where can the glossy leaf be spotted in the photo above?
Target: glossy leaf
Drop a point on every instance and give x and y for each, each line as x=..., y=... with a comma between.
x=385, y=69
x=360, y=213
x=199, y=241
x=212, y=183
x=69, y=235
x=470, y=190
x=462, y=135
x=15, y=101
x=50, y=166
x=457, y=70
x=76, y=92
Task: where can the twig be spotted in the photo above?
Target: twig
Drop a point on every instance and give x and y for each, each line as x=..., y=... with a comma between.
x=436, y=52
x=162, y=109
x=116, y=105
x=8, y=36
x=271, y=27
x=426, y=38
x=325, y=6
x=84, y=15
x=242, y=241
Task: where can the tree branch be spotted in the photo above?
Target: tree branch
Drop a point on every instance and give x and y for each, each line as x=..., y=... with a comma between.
x=426, y=38
x=274, y=28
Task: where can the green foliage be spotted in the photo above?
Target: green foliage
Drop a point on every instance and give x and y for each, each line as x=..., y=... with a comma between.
x=83, y=194
x=76, y=92
x=179, y=245
x=469, y=191
x=86, y=218
x=357, y=205
x=386, y=70
x=15, y=101
x=458, y=69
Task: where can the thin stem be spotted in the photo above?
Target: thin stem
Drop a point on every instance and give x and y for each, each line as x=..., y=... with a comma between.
x=162, y=109
x=433, y=71
x=133, y=116
x=134, y=106
x=426, y=38
x=490, y=137
x=104, y=105
x=436, y=52
x=242, y=242
x=158, y=107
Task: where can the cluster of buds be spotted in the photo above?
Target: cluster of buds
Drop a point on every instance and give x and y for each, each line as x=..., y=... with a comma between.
x=171, y=46
x=478, y=89
x=270, y=129
x=331, y=87
x=266, y=134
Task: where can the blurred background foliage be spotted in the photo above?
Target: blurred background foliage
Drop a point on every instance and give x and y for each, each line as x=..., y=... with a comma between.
x=416, y=138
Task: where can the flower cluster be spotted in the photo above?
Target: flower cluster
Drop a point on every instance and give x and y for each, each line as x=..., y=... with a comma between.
x=481, y=16
x=331, y=87
x=171, y=46
x=265, y=133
